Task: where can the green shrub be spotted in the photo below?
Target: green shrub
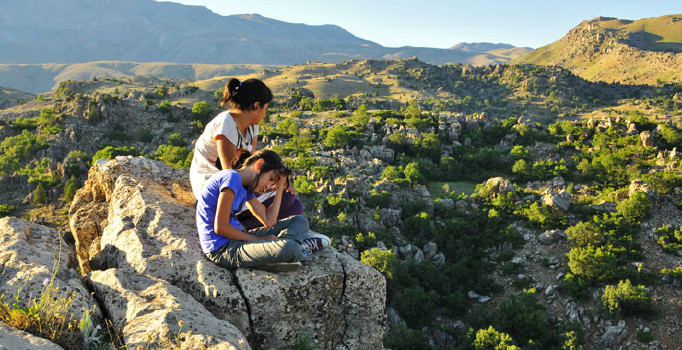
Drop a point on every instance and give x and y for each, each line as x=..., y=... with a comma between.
x=524, y=319
x=6, y=210
x=636, y=208
x=39, y=172
x=676, y=273
x=164, y=107
x=491, y=339
x=71, y=162
x=202, y=110
x=385, y=261
x=592, y=263
x=376, y=199
x=645, y=337
x=669, y=239
x=418, y=306
x=401, y=338
x=339, y=136
x=70, y=188
x=111, y=152
x=572, y=341
x=365, y=241
x=574, y=286
x=418, y=226
x=627, y=300
x=413, y=174
x=16, y=149
x=303, y=185
x=585, y=233
x=544, y=217
x=391, y=173
x=39, y=194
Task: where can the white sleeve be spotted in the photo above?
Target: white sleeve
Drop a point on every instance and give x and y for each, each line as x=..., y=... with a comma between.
x=227, y=128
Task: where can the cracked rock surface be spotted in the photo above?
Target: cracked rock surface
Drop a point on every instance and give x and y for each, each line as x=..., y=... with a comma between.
x=134, y=226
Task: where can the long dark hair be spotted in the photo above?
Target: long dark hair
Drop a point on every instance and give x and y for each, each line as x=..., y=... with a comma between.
x=243, y=94
x=272, y=161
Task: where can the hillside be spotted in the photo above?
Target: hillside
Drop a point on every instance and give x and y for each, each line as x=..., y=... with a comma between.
x=645, y=51
x=40, y=78
x=11, y=97
x=77, y=31
x=483, y=194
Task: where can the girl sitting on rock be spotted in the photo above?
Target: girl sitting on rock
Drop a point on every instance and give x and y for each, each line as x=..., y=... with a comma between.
x=278, y=246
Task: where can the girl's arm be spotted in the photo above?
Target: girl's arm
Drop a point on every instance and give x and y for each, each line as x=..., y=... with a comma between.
x=221, y=224
x=255, y=143
x=226, y=151
x=268, y=216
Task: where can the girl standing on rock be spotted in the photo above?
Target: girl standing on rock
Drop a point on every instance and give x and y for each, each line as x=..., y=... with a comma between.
x=278, y=246
x=229, y=134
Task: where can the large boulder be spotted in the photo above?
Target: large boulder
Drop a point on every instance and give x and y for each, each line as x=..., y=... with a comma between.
x=32, y=257
x=150, y=310
x=146, y=232
x=560, y=199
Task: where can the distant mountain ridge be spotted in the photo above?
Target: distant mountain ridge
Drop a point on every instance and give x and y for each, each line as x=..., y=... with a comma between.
x=645, y=51
x=479, y=47
x=77, y=31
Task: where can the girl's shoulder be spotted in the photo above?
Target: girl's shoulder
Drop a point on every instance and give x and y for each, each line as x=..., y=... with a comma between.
x=227, y=174
x=222, y=118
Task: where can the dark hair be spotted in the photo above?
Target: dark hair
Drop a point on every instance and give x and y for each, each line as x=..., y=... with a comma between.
x=272, y=161
x=243, y=94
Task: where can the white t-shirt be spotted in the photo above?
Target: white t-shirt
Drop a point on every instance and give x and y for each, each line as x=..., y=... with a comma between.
x=206, y=149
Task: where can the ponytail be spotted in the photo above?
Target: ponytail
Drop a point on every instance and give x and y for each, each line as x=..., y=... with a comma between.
x=244, y=94
x=238, y=161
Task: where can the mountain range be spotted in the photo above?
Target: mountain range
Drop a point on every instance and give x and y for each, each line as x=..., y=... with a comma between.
x=77, y=31
x=45, y=42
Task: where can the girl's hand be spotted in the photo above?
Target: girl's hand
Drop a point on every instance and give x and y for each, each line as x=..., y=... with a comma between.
x=282, y=183
x=269, y=238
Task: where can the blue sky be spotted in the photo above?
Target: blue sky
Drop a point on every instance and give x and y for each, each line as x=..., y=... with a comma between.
x=441, y=24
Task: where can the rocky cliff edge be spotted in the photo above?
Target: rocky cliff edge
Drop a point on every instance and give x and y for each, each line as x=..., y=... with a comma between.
x=133, y=224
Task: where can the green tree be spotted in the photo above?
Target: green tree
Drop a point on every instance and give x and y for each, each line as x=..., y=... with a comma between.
x=413, y=174
x=360, y=116
x=412, y=110
x=39, y=194
x=70, y=188
x=202, y=110
x=522, y=170
x=391, y=173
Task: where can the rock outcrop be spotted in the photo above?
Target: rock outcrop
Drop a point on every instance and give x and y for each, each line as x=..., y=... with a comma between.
x=133, y=222
x=33, y=256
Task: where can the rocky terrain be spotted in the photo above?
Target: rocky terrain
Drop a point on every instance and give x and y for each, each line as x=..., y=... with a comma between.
x=136, y=246
x=383, y=173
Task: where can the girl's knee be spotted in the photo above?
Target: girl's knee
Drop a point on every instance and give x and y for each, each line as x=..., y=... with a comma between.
x=291, y=251
x=300, y=221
